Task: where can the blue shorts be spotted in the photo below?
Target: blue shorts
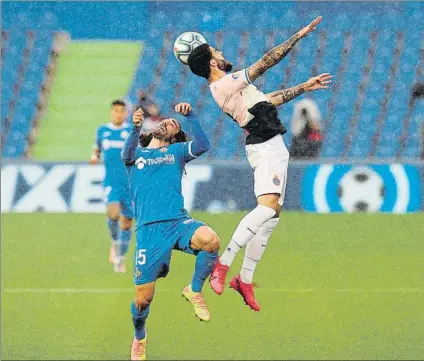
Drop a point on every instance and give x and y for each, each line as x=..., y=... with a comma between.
x=121, y=196
x=154, y=245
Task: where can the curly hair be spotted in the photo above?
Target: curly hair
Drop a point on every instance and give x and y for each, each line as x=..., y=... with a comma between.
x=145, y=138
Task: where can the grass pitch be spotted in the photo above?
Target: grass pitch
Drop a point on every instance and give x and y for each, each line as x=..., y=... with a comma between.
x=331, y=287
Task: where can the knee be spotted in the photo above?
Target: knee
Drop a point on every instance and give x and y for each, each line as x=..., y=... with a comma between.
x=142, y=301
x=125, y=223
x=211, y=243
x=114, y=215
x=271, y=201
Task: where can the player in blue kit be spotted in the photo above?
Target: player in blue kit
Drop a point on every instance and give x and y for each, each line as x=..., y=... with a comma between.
x=110, y=140
x=155, y=169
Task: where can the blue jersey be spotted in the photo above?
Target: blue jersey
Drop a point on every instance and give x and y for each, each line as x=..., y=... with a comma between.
x=110, y=140
x=155, y=175
x=155, y=183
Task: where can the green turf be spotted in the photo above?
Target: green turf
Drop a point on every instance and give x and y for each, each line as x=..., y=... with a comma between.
x=331, y=287
x=89, y=76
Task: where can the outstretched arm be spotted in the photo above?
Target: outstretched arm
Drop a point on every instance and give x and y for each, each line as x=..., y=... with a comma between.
x=274, y=56
x=285, y=95
x=129, y=151
x=200, y=143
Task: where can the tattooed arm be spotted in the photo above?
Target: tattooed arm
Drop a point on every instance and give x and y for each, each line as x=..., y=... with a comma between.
x=275, y=55
x=285, y=95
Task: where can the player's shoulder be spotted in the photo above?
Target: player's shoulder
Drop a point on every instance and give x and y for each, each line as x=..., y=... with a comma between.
x=176, y=147
x=231, y=79
x=102, y=127
x=103, y=131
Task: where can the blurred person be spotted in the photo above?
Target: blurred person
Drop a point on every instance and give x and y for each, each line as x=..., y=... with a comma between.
x=307, y=137
x=418, y=91
x=155, y=162
x=257, y=115
x=152, y=112
x=110, y=139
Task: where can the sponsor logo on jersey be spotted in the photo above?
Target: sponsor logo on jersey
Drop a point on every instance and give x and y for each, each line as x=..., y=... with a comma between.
x=167, y=159
x=235, y=76
x=107, y=144
x=188, y=221
x=276, y=180
x=106, y=134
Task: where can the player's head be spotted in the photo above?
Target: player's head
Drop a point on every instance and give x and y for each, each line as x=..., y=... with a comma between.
x=118, y=112
x=205, y=59
x=168, y=130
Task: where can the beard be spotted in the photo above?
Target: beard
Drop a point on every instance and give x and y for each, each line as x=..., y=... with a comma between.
x=225, y=65
x=161, y=134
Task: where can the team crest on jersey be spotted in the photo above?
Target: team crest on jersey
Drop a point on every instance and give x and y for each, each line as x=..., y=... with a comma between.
x=164, y=150
x=235, y=76
x=276, y=180
x=124, y=134
x=137, y=273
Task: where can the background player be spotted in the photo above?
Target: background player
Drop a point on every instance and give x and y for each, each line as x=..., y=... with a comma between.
x=256, y=113
x=110, y=140
x=162, y=224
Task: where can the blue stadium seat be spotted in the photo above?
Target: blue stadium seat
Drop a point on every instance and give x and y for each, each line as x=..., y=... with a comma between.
x=269, y=24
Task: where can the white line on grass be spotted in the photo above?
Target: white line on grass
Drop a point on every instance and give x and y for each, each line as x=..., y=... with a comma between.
x=282, y=290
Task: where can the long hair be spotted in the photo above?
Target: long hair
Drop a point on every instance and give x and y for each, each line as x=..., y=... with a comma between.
x=145, y=138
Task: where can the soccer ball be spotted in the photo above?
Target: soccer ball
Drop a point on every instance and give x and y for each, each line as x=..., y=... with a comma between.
x=361, y=190
x=185, y=44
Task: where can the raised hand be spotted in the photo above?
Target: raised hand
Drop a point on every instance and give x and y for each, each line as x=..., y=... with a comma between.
x=138, y=117
x=310, y=28
x=183, y=108
x=318, y=82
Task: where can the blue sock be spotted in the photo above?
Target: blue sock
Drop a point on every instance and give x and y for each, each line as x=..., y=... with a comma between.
x=203, y=268
x=125, y=241
x=139, y=321
x=113, y=229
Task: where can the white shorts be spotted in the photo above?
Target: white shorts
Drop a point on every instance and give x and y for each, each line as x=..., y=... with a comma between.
x=269, y=161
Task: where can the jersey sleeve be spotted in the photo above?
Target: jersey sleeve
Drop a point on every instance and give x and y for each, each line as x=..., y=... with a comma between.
x=184, y=152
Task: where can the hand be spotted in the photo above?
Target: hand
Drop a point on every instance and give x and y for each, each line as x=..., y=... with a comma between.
x=183, y=108
x=94, y=159
x=310, y=28
x=318, y=82
x=138, y=117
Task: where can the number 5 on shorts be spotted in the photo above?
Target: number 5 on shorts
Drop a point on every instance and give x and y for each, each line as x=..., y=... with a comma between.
x=141, y=257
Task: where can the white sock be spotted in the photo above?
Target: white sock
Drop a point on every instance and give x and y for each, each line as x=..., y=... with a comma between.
x=246, y=230
x=255, y=249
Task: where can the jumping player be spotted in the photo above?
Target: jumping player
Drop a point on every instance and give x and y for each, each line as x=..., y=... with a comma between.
x=257, y=115
x=110, y=140
x=155, y=170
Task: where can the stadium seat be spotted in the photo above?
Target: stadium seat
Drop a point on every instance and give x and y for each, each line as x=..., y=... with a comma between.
x=348, y=45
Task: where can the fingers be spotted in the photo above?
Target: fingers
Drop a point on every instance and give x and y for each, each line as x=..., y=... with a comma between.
x=313, y=24
x=138, y=116
x=316, y=21
x=325, y=78
x=183, y=108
